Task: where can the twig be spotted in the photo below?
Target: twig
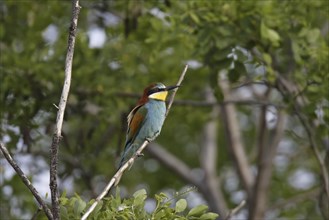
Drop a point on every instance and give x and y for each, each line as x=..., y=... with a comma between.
x=235, y=210
x=35, y=215
x=171, y=98
x=300, y=197
x=116, y=178
x=61, y=110
x=25, y=180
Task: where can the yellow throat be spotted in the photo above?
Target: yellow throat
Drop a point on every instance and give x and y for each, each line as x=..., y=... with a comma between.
x=159, y=96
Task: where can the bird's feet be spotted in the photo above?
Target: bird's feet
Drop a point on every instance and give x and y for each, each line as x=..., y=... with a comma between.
x=140, y=155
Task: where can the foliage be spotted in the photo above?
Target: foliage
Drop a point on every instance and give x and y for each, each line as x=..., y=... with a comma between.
x=114, y=207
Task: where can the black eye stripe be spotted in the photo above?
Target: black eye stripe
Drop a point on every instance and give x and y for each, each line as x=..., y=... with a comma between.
x=154, y=90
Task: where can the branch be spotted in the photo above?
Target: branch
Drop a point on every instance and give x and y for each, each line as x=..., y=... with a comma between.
x=185, y=173
x=25, y=180
x=116, y=178
x=173, y=163
x=171, y=98
x=229, y=116
x=267, y=152
x=235, y=210
x=284, y=87
x=300, y=197
x=61, y=110
x=208, y=159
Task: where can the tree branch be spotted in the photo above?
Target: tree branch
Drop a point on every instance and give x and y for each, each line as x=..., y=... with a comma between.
x=61, y=110
x=285, y=88
x=173, y=163
x=26, y=181
x=235, y=210
x=185, y=173
x=267, y=152
x=208, y=159
x=229, y=116
x=300, y=197
x=117, y=176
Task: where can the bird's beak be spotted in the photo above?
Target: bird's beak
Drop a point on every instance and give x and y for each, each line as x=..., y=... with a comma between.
x=171, y=87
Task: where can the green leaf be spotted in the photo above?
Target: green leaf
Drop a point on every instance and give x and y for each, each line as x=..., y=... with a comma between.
x=79, y=206
x=140, y=197
x=224, y=63
x=140, y=192
x=64, y=214
x=240, y=67
x=269, y=34
x=161, y=197
x=209, y=216
x=198, y=210
x=233, y=75
x=180, y=205
x=194, y=17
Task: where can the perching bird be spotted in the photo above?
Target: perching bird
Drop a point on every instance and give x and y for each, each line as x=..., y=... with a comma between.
x=146, y=119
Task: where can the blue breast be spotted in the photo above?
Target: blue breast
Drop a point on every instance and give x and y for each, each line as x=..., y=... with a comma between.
x=155, y=116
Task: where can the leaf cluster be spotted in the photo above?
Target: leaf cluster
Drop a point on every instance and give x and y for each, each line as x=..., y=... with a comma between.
x=114, y=207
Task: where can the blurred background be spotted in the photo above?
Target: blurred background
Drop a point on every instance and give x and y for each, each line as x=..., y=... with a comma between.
x=250, y=122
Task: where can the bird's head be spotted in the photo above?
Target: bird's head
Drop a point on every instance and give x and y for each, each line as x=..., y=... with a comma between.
x=157, y=91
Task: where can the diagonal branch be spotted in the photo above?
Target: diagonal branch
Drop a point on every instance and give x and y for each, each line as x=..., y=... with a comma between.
x=173, y=163
x=117, y=176
x=235, y=210
x=185, y=173
x=61, y=109
x=25, y=180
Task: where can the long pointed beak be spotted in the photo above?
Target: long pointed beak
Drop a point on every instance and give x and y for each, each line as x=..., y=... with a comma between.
x=171, y=87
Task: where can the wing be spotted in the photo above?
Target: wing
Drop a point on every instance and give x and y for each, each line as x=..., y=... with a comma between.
x=136, y=119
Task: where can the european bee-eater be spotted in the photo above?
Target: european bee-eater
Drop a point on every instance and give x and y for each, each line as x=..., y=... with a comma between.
x=146, y=119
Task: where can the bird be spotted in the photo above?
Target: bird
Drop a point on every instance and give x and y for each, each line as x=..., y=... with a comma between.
x=146, y=119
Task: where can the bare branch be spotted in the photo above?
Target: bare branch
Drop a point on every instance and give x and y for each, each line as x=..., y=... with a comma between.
x=300, y=197
x=61, y=110
x=116, y=178
x=25, y=180
x=235, y=210
x=185, y=173
x=208, y=159
x=171, y=98
x=286, y=88
x=173, y=163
x=267, y=152
x=229, y=116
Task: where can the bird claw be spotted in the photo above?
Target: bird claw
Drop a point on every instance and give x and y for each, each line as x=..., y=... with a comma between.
x=140, y=155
